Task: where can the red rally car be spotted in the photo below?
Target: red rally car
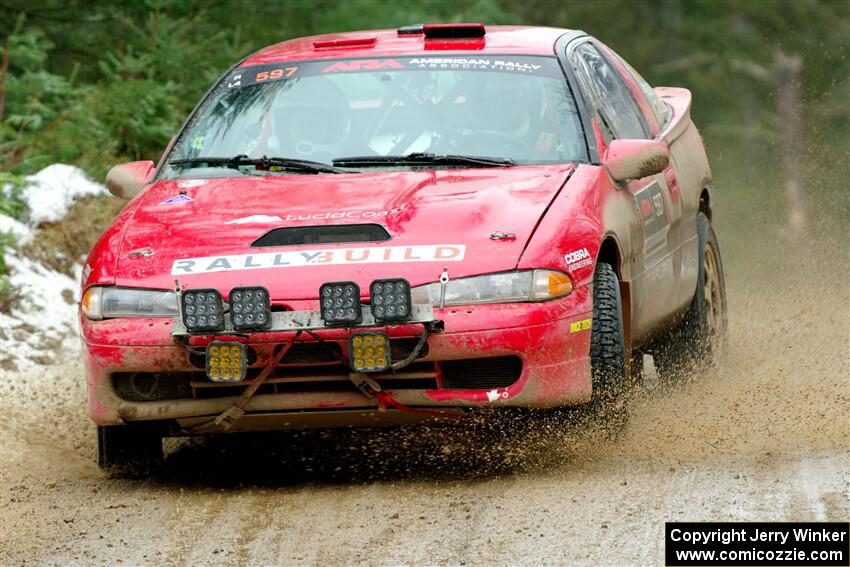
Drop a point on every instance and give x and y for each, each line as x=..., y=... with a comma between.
x=388, y=226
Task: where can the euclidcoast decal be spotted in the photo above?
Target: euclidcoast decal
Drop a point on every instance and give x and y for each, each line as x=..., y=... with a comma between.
x=319, y=257
x=334, y=215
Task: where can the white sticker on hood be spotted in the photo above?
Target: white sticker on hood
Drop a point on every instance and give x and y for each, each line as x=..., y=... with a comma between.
x=319, y=257
x=192, y=183
x=255, y=219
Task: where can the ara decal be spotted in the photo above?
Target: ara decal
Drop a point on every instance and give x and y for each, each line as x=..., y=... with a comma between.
x=578, y=326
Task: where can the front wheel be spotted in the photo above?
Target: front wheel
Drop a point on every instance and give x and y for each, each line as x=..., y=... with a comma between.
x=607, y=345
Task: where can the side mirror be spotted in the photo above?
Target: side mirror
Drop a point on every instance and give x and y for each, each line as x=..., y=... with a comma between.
x=635, y=159
x=126, y=180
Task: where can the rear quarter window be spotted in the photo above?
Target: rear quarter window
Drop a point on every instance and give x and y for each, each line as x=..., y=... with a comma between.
x=658, y=107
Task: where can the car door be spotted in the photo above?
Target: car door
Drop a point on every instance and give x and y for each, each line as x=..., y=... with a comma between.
x=618, y=116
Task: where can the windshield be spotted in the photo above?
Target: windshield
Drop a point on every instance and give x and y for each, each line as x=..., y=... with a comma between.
x=515, y=107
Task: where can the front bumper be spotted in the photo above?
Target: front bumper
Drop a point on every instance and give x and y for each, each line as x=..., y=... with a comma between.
x=543, y=345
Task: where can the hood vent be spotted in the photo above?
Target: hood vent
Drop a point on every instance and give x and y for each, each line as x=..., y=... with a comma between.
x=325, y=234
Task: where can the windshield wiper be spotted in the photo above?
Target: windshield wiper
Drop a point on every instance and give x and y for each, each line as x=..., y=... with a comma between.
x=423, y=158
x=265, y=161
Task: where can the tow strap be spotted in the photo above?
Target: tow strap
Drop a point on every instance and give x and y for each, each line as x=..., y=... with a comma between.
x=372, y=389
x=228, y=418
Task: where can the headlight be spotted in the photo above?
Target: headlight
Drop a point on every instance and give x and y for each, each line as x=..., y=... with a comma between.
x=108, y=302
x=508, y=287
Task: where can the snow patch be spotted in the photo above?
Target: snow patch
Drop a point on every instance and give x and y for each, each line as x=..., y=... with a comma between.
x=43, y=321
x=49, y=193
x=16, y=228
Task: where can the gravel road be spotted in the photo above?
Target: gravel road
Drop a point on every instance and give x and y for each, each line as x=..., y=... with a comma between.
x=764, y=438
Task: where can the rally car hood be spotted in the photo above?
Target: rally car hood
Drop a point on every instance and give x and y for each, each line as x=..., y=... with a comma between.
x=201, y=232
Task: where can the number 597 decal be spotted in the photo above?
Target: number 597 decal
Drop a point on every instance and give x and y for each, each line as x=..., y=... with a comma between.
x=275, y=74
x=260, y=74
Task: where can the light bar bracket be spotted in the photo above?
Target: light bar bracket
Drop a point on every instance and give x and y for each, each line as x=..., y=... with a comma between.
x=283, y=321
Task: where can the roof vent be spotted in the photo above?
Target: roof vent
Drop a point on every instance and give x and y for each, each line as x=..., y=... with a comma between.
x=415, y=29
x=340, y=43
x=453, y=31
x=326, y=234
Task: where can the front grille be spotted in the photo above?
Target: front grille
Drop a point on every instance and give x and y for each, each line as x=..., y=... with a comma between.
x=402, y=348
x=148, y=387
x=481, y=373
x=313, y=353
x=314, y=376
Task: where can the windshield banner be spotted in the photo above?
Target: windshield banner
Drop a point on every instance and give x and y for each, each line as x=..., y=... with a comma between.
x=523, y=64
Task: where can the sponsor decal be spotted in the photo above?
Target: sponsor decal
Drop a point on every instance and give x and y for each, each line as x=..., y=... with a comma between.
x=321, y=257
x=363, y=65
x=189, y=183
x=335, y=215
x=276, y=72
x=493, y=395
x=578, y=259
x=474, y=64
x=255, y=219
x=578, y=326
x=650, y=201
x=177, y=199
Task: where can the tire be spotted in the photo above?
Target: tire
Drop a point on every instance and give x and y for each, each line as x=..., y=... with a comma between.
x=699, y=340
x=607, y=346
x=127, y=449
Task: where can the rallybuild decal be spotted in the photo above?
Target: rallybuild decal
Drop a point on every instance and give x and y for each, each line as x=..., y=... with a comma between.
x=327, y=257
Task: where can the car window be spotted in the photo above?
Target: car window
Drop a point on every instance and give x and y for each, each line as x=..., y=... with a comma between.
x=617, y=113
x=659, y=108
x=516, y=107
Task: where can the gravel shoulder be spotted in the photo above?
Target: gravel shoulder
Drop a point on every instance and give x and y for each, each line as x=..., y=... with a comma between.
x=765, y=438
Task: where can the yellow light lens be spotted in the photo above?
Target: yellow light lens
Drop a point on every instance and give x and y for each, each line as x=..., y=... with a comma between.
x=370, y=352
x=559, y=284
x=225, y=362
